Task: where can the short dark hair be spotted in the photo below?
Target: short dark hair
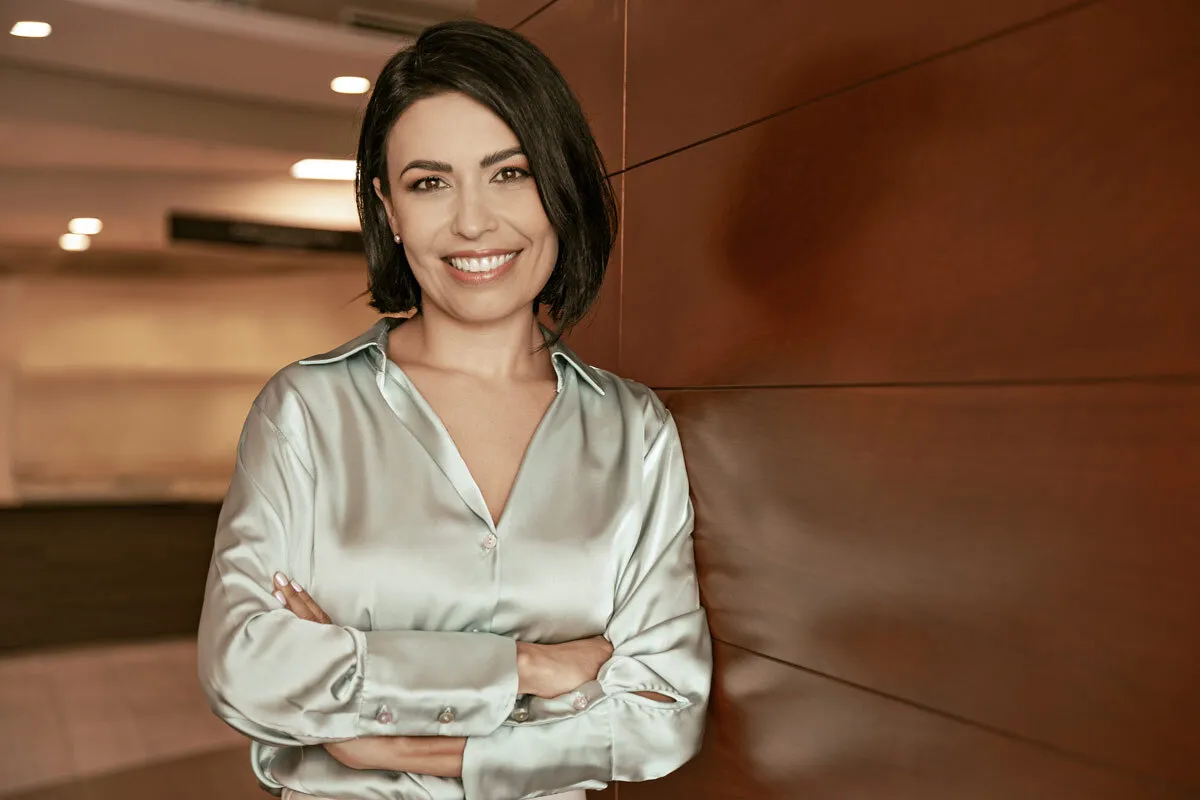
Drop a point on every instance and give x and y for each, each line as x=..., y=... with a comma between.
x=509, y=75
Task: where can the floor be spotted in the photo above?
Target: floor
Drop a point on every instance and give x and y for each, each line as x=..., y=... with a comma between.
x=126, y=722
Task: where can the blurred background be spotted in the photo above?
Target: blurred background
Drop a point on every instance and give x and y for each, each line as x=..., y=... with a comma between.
x=919, y=282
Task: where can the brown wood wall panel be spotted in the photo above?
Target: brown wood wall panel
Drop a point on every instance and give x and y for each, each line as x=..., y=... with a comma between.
x=585, y=39
x=1021, y=557
x=1022, y=210
x=507, y=13
x=700, y=67
x=779, y=733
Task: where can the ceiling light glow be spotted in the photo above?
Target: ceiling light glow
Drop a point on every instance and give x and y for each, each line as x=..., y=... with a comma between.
x=28, y=29
x=324, y=169
x=87, y=226
x=348, y=84
x=74, y=242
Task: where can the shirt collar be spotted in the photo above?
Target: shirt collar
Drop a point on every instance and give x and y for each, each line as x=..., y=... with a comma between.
x=560, y=352
x=376, y=338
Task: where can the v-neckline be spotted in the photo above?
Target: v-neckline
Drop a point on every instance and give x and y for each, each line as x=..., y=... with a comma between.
x=434, y=436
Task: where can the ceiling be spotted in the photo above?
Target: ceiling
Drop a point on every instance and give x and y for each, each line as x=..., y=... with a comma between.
x=134, y=108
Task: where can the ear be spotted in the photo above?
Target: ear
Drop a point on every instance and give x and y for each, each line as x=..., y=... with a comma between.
x=387, y=203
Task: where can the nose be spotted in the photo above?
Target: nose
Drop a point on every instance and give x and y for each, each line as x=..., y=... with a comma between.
x=473, y=214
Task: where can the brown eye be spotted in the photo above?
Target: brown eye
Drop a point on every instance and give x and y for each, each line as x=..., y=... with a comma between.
x=508, y=174
x=428, y=184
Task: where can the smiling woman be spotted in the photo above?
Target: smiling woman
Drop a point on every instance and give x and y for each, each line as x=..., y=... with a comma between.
x=455, y=561
x=500, y=112
x=470, y=225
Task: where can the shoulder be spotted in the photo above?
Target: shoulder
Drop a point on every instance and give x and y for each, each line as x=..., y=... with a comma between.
x=640, y=405
x=284, y=393
x=312, y=381
x=281, y=412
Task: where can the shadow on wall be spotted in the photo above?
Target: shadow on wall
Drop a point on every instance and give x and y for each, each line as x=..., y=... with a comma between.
x=810, y=190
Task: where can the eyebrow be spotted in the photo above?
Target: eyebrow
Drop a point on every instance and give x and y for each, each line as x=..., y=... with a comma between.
x=442, y=166
x=500, y=155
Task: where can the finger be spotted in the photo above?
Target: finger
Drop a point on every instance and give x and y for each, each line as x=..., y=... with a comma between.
x=287, y=597
x=318, y=614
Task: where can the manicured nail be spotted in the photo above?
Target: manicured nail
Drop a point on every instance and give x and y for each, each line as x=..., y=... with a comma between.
x=297, y=587
x=281, y=579
x=282, y=600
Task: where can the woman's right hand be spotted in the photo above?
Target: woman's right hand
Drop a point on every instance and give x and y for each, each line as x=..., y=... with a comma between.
x=550, y=670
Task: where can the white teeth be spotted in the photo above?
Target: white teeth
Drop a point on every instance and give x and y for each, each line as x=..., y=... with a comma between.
x=485, y=264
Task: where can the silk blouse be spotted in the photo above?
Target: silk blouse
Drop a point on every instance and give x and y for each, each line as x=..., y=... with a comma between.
x=347, y=481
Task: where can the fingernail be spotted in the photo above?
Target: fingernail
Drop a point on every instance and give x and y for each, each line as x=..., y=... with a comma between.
x=281, y=579
x=282, y=600
x=297, y=587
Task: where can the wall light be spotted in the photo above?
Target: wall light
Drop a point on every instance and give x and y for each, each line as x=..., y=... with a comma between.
x=348, y=84
x=28, y=29
x=87, y=226
x=324, y=169
x=74, y=242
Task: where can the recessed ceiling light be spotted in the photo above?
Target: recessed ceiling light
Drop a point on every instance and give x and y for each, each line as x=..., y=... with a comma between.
x=348, y=84
x=28, y=29
x=88, y=226
x=75, y=242
x=324, y=169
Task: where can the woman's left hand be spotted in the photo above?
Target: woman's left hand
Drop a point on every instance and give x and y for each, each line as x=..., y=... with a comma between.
x=293, y=596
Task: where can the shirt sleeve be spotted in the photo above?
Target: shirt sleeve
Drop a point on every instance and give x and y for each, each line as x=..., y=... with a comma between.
x=286, y=681
x=313, y=772
x=661, y=644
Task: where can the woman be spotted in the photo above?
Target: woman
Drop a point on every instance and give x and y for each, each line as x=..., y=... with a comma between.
x=455, y=561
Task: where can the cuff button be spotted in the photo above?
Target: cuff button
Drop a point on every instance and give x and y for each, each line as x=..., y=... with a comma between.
x=447, y=716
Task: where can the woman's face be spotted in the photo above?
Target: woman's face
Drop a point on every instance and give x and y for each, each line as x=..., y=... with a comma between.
x=467, y=210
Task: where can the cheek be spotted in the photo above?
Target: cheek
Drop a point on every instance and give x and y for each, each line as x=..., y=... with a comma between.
x=418, y=223
x=537, y=225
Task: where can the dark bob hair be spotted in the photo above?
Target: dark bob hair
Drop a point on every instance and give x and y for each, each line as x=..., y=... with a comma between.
x=509, y=75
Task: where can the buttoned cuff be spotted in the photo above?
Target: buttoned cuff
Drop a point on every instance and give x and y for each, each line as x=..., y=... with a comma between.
x=433, y=683
x=540, y=711
x=518, y=761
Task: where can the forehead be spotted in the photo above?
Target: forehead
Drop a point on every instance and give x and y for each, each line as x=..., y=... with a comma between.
x=447, y=127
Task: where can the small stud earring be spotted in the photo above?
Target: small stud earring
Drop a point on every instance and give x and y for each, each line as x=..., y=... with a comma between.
x=397, y=238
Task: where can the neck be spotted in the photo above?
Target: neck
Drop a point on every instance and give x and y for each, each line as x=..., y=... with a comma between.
x=505, y=349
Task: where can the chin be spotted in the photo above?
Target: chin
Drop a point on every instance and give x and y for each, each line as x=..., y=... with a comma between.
x=481, y=312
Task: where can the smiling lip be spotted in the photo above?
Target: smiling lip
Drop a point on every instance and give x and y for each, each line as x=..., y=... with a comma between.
x=483, y=276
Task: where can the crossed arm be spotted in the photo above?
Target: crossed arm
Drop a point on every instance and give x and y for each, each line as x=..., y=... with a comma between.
x=542, y=670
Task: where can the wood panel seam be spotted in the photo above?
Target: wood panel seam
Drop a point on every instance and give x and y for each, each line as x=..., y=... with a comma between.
x=903, y=68
x=621, y=213
x=1062, y=752
x=1185, y=380
x=534, y=14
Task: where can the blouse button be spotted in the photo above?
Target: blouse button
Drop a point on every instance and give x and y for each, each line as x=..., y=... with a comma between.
x=520, y=715
x=579, y=703
x=447, y=716
x=490, y=541
x=384, y=716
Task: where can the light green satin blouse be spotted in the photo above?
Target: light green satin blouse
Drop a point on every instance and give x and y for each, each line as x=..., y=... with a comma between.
x=347, y=481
